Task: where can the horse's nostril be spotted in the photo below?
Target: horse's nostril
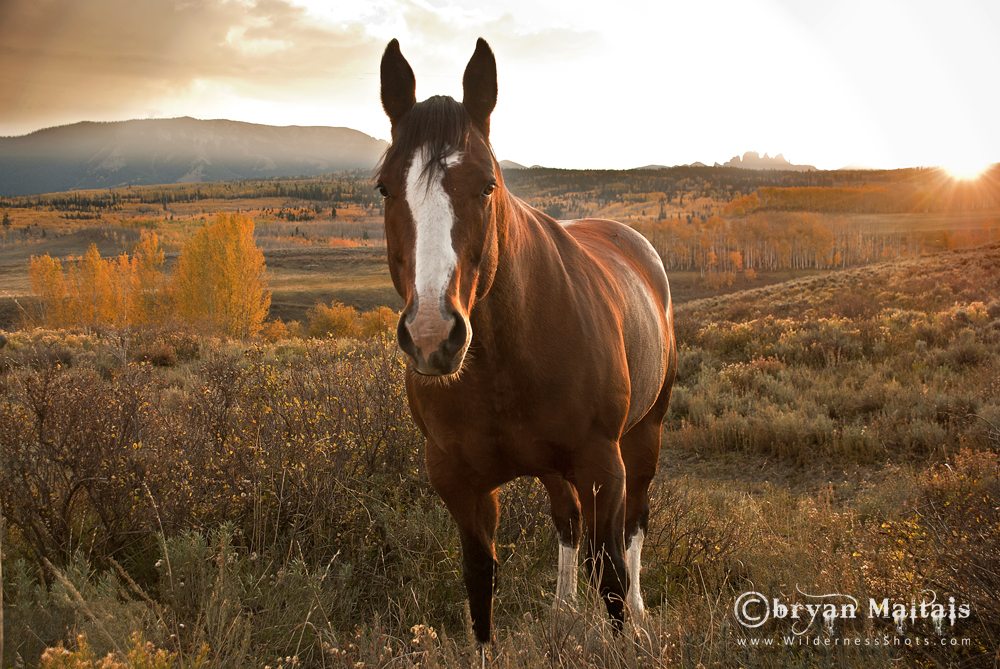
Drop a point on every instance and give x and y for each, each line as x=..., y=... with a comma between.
x=457, y=335
x=404, y=337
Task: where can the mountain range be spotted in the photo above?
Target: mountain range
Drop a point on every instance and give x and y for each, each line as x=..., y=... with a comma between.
x=752, y=160
x=185, y=150
x=178, y=150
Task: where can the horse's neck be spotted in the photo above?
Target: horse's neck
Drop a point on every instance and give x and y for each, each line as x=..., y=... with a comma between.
x=530, y=268
x=518, y=244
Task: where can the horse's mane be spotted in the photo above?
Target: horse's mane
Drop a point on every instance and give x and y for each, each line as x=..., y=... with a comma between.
x=440, y=122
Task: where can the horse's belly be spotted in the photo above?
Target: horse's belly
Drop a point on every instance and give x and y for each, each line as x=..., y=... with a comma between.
x=633, y=267
x=645, y=349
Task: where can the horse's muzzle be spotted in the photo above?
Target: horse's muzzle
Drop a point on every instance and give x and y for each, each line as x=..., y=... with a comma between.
x=435, y=349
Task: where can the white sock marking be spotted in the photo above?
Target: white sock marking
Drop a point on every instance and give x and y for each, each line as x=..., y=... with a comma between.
x=633, y=558
x=433, y=217
x=568, y=569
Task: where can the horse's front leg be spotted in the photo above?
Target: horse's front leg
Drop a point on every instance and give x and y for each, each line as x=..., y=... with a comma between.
x=477, y=523
x=476, y=512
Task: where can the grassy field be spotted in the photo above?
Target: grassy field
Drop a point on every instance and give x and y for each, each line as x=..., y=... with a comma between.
x=298, y=277
x=297, y=233
x=302, y=276
x=310, y=261
x=358, y=277
x=951, y=221
x=228, y=504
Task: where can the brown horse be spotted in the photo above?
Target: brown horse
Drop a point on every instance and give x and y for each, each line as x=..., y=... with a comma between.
x=533, y=347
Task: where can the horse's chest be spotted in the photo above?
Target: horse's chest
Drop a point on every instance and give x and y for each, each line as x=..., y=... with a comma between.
x=509, y=429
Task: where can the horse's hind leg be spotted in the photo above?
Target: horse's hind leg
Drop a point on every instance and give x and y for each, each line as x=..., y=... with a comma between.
x=640, y=448
x=566, y=515
x=600, y=484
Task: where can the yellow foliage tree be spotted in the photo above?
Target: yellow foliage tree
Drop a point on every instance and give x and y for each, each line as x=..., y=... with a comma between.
x=49, y=284
x=736, y=260
x=220, y=281
x=92, y=291
x=87, y=281
x=149, y=286
x=376, y=321
x=116, y=305
x=336, y=320
x=278, y=330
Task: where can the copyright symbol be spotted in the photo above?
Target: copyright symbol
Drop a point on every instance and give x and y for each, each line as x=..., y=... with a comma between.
x=748, y=618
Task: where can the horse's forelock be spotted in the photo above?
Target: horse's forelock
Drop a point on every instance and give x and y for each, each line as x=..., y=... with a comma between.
x=439, y=125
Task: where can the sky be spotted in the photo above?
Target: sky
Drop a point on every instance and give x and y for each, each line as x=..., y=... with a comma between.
x=583, y=84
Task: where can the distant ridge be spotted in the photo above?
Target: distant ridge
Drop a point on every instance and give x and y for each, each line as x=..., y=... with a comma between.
x=858, y=167
x=752, y=160
x=511, y=165
x=179, y=150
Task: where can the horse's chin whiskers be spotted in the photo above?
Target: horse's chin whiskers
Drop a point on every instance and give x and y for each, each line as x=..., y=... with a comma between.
x=446, y=380
x=442, y=380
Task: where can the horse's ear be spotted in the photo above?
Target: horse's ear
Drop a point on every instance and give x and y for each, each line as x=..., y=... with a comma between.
x=399, y=86
x=480, y=86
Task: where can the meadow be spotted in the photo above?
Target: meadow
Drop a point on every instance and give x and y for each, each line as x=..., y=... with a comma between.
x=322, y=236
x=174, y=499
x=178, y=499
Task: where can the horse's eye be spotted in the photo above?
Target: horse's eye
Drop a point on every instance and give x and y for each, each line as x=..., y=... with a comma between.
x=383, y=191
x=488, y=190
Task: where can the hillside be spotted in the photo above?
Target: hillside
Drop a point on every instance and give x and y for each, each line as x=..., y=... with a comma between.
x=893, y=360
x=928, y=283
x=180, y=150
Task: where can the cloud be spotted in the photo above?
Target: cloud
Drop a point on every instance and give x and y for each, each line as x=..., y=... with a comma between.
x=271, y=61
x=642, y=83
x=65, y=60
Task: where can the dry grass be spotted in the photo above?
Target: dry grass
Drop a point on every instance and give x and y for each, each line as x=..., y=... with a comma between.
x=235, y=504
x=893, y=361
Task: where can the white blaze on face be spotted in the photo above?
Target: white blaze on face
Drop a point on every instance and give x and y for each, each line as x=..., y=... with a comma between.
x=433, y=217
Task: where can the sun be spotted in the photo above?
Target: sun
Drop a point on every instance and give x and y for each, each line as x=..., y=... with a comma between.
x=967, y=168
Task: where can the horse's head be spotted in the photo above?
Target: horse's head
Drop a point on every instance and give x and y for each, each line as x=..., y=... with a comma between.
x=438, y=179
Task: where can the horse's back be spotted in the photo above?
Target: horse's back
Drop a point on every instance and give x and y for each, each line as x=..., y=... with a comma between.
x=631, y=264
x=606, y=239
